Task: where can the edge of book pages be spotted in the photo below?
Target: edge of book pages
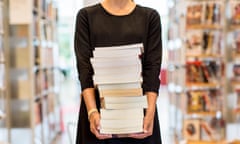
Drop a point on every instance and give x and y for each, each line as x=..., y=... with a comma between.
x=128, y=46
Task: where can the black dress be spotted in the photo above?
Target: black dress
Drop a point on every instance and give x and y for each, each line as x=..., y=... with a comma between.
x=95, y=27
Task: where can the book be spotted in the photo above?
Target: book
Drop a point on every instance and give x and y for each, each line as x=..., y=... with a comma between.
x=113, y=53
x=120, y=86
x=121, y=47
x=118, y=71
x=125, y=99
x=194, y=14
x=120, y=114
x=115, y=62
x=124, y=102
x=235, y=12
x=124, y=78
x=192, y=130
x=121, y=126
x=117, y=92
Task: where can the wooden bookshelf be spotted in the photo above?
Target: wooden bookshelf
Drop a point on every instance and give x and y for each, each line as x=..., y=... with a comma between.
x=203, y=54
x=34, y=71
x=206, y=142
x=4, y=69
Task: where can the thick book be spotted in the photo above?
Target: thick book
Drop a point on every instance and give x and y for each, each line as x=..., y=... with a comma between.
x=118, y=71
x=121, y=126
x=124, y=78
x=121, y=47
x=120, y=86
x=113, y=53
x=120, y=92
x=127, y=114
x=115, y=62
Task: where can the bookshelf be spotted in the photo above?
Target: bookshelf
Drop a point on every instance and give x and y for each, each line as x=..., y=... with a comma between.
x=197, y=50
x=35, y=112
x=4, y=98
x=233, y=41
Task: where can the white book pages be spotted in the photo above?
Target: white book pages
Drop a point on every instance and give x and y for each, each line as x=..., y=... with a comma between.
x=123, y=123
x=124, y=99
x=126, y=105
x=115, y=62
x=124, y=78
x=130, y=46
x=117, y=53
x=119, y=70
x=117, y=92
x=122, y=131
x=121, y=114
x=134, y=85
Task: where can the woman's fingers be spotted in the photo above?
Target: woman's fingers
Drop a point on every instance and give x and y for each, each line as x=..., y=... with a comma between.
x=95, y=127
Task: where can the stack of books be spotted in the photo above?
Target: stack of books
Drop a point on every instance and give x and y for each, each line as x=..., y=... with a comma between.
x=117, y=74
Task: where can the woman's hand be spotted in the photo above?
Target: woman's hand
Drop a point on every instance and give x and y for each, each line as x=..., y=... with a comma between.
x=147, y=126
x=94, y=120
x=148, y=120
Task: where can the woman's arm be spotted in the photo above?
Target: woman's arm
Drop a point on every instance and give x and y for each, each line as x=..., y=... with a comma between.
x=83, y=52
x=151, y=70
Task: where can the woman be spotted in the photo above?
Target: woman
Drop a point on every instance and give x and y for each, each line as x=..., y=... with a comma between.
x=109, y=23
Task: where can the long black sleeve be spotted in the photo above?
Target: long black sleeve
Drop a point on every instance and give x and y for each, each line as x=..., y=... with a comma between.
x=83, y=51
x=152, y=55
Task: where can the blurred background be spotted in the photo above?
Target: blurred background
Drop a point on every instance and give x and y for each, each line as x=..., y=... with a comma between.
x=199, y=97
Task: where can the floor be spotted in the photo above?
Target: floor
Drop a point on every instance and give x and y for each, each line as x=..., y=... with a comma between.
x=70, y=104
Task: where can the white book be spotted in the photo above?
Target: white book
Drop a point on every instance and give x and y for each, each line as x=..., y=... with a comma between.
x=115, y=62
x=122, y=114
x=123, y=78
x=138, y=129
x=121, y=92
x=125, y=105
x=133, y=85
x=125, y=99
x=123, y=123
x=119, y=70
x=117, y=53
x=120, y=47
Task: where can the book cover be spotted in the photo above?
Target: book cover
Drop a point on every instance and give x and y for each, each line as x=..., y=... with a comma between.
x=235, y=12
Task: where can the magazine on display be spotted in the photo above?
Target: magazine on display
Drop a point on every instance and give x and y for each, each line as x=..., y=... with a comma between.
x=235, y=13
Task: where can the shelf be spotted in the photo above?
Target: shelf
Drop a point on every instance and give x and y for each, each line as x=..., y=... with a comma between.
x=214, y=27
x=236, y=111
x=202, y=85
x=206, y=142
x=202, y=113
x=234, y=27
x=204, y=56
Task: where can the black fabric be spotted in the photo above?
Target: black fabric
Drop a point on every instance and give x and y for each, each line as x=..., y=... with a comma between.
x=95, y=27
x=84, y=135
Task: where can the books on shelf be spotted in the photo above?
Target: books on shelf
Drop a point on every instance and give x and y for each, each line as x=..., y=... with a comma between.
x=203, y=71
x=202, y=14
x=235, y=13
x=203, y=101
x=202, y=42
x=117, y=74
